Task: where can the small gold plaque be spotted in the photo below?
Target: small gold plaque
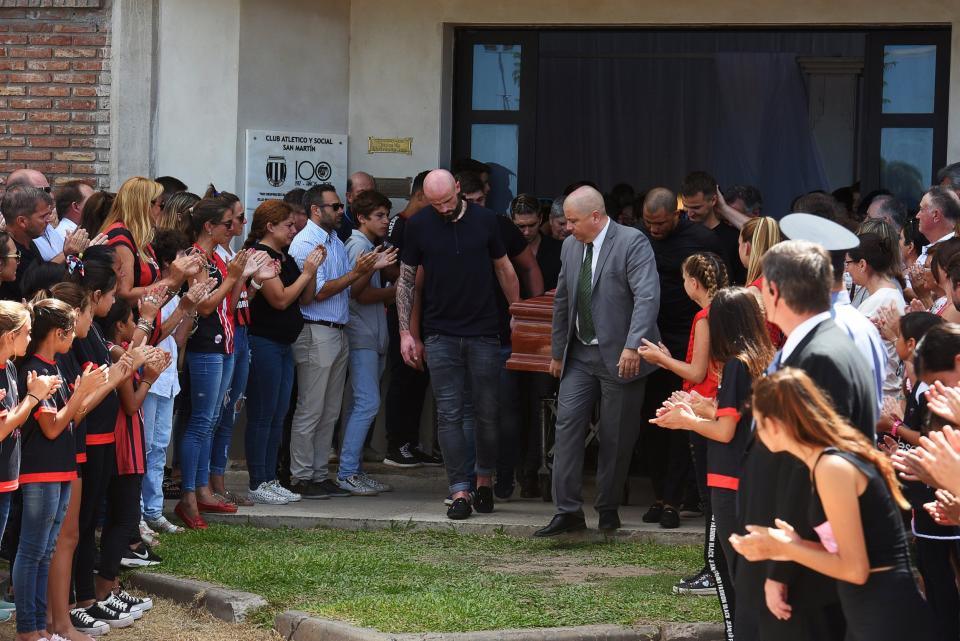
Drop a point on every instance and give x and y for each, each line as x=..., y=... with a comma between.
x=390, y=146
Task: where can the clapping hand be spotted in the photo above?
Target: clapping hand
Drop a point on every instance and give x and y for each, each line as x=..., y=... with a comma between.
x=75, y=242
x=887, y=321
x=674, y=416
x=255, y=262
x=314, y=259
x=763, y=543
x=92, y=378
x=154, y=300
x=945, y=510
x=944, y=402
x=42, y=387
x=655, y=353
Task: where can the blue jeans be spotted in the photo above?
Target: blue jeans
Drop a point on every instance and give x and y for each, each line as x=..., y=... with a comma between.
x=456, y=364
x=210, y=376
x=4, y=510
x=157, y=429
x=366, y=368
x=268, y=399
x=44, y=505
x=223, y=434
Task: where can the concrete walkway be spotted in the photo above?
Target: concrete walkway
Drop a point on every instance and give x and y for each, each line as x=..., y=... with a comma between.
x=417, y=502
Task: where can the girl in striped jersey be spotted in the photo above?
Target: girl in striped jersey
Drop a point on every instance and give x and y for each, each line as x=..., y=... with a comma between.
x=14, y=337
x=48, y=463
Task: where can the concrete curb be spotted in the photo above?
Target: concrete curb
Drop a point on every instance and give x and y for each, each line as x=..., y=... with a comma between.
x=231, y=606
x=665, y=537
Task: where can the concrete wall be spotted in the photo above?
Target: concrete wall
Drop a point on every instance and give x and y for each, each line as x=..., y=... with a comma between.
x=408, y=95
x=195, y=136
x=294, y=57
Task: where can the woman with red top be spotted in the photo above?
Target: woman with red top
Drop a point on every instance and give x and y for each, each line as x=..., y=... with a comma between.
x=756, y=237
x=48, y=462
x=210, y=223
x=740, y=341
x=703, y=274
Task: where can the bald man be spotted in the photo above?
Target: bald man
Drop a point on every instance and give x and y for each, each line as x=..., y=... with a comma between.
x=357, y=183
x=608, y=296
x=455, y=243
x=49, y=243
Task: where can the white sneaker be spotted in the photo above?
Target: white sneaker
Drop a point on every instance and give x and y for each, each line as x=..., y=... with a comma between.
x=147, y=534
x=264, y=496
x=355, y=485
x=162, y=525
x=275, y=487
x=374, y=483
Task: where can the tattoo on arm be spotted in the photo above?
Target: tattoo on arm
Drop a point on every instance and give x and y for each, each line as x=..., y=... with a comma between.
x=405, y=294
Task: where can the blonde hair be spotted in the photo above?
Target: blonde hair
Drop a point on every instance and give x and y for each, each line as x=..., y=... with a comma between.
x=13, y=316
x=708, y=269
x=132, y=208
x=762, y=233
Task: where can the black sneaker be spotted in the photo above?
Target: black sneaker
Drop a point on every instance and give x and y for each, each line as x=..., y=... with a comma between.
x=653, y=514
x=503, y=490
x=483, y=499
x=459, y=509
x=669, y=518
x=691, y=510
x=331, y=489
x=101, y=611
x=427, y=460
x=402, y=457
x=141, y=603
x=83, y=622
x=142, y=557
x=702, y=584
x=308, y=490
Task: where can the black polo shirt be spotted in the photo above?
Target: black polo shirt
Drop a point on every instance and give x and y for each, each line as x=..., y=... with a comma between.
x=10, y=446
x=548, y=258
x=730, y=243
x=459, y=297
x=676, y=309
x=99, y=424
x=733, y=399
x=46, y=460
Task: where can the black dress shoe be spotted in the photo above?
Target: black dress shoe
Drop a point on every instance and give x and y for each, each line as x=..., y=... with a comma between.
x=561, y=524
x=609, y=521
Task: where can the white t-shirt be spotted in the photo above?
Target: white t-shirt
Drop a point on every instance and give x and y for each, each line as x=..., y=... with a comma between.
x=884, y=297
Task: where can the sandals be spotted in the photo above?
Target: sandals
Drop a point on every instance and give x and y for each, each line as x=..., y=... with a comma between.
x=231, y=498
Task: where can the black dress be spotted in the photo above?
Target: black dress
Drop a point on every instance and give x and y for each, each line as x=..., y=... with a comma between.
x=888, y=606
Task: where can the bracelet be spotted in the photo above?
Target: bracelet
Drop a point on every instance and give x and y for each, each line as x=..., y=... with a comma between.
x=146, y=382
x=37, y=398
x=896, y=426
x=257, y=286
x=145, y=325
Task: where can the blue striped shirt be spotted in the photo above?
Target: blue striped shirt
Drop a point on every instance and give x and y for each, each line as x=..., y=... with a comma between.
x=335, y=309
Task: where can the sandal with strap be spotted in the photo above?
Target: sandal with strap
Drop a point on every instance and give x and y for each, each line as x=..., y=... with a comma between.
x=229, y=497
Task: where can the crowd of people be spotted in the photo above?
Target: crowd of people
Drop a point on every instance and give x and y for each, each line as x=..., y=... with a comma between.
x=769, y=374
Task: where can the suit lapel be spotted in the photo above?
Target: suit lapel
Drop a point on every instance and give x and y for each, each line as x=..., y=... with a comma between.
x=605, y=250
x=802, y=345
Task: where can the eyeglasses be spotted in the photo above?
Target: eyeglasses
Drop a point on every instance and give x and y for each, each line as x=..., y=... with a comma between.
x=334, y=206
x=848, y=262
x=227, y=223
x=16, y=256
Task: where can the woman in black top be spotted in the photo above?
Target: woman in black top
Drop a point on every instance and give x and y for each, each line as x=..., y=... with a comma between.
x=855, y=492
x=275, y=324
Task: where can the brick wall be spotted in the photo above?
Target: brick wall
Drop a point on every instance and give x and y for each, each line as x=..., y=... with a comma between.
x=55, y=88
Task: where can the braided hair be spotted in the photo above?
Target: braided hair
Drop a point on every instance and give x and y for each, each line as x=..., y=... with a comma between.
x=708, y=269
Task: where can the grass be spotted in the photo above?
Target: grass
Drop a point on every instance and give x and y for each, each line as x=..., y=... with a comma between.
x=405, y=580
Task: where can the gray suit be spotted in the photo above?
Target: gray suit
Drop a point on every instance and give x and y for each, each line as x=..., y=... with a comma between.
x=624, y=303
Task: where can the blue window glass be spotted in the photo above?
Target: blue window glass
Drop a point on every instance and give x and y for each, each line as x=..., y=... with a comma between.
x=906, y=161
x=497, y=145
x=496, y=77
x=909, y=78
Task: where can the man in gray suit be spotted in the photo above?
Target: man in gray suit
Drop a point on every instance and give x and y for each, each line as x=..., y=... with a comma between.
x=607, y=299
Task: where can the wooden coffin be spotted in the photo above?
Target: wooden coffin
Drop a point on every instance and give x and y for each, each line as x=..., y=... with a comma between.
x=530, y=336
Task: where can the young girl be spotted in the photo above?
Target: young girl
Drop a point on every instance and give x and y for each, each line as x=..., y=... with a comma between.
x=48, y=462
x=855, y=492
x=14, y=412
x=756, y=237
x=741, y=342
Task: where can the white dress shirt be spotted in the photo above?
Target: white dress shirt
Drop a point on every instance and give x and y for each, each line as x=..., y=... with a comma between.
x=800, y=332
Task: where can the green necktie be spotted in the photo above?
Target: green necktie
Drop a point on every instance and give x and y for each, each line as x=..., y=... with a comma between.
x=584, y=297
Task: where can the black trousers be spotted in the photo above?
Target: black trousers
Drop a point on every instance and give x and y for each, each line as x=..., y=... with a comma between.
x=721, y=557
x=406, y=393
x=888, y=607
x=122, y=519
x=100, y=468
x=935, y=561
x=667, y=452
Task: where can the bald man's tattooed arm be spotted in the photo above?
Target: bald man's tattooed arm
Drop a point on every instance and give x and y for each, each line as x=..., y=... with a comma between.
x=405, y=295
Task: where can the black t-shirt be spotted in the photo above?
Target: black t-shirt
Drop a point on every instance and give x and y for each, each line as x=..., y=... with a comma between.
x=730, y=243
x=676, y=309
x=459, y=297
x=266, y=321
x=724, y=460
x=515, y=243
x=70, y=369
x=548, y=258
x=46, y=460
x=102, y=419
x=29, y=257
x=214, y=334
x=10, y=446
x=396, y=231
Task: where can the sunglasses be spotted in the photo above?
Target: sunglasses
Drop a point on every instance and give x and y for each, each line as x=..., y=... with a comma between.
x=227, y=223
x=334, y=206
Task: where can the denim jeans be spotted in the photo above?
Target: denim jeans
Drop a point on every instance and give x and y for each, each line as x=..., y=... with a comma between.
x=157, y=429
x=457, y=363
x=268, y=399
x=44, y=505
x=210, y=375
x=4, y=510
x=223, y=434
x=366, y=368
